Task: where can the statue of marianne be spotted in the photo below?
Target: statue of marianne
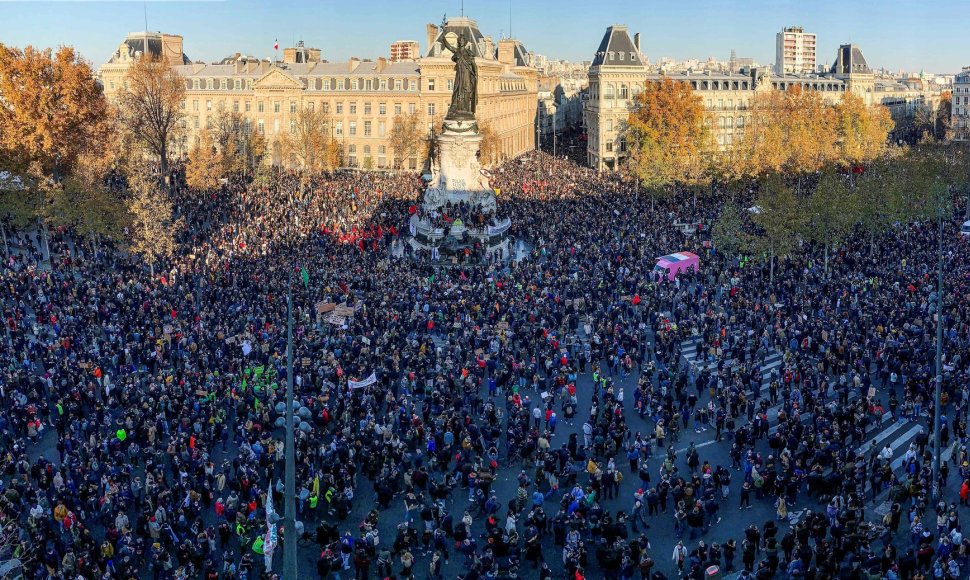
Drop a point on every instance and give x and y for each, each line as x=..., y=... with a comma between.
x=464, y=96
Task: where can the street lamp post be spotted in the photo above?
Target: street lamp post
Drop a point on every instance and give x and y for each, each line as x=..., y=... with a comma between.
x=939, y=353
x=289, y=501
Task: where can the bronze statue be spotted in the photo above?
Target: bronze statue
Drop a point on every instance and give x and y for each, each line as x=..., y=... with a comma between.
x=464, y=96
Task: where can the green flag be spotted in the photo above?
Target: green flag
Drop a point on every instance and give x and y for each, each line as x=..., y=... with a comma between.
x=306, y=277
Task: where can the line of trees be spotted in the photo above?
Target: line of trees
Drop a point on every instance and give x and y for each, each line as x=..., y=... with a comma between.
x=821, y=171
x=60, y=140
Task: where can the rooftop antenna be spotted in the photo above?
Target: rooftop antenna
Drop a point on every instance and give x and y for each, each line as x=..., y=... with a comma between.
x=462, y=7
x=145, y=5
x=510, y=19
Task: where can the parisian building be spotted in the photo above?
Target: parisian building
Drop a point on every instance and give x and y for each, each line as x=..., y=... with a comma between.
x=405, y=50
x=619, y=72
x=794, y=51
x=960, y=115
x=361, y=97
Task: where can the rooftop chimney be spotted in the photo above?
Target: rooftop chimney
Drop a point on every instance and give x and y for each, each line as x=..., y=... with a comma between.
x=432, y=35
x=636, y=41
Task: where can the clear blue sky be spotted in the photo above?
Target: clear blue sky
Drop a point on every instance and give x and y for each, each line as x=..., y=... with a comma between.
x=909, y=35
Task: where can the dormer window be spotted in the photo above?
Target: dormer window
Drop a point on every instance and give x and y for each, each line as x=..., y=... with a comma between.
x=621, y=55
x=611, y=55
x=633, y=57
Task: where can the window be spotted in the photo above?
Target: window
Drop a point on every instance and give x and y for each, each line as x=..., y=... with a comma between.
x=383, y=84
x=369, y=84
x=223, y=84
x=609, y=146
x=352, y=161
x=195, y=122
x=608, y=93
x=310, y=106
x=412, y=108
x=208, y=105
x=380, y=129
x=235, y=106
x=208, y=84
x=366, y=149
x=340, y=108
x=352, y=149
x=740, y=121
x=609, y=124
x=195, y=105
x=430, y=84
x=353, y=128
x=382, y=109
x=451, y=84
x=381, y=149
x=292, y=127
x=292, y=106
x=355, y=84
x=412, y=86
x=237, y=84
x=276, y=106
x=247, y=106
x=413, y=163
x=431, y=109
x=622, y=54
x=367, y=108
x=261, y=127
x=195, y=84
x=326, y=107
x=353, y=108
x=326, y=84
x=276, y=126
x=340, y=84
x=397, y=108
x=367, y=131
x=624, y=91
x=397, y=84
x=338, y=128
x=382, y=162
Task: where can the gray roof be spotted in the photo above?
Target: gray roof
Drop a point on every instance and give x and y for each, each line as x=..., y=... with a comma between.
x=617, y=42
x=460, y=25
x=313, y=69
x=145, y=43
x=849, y=60
x=521, y=55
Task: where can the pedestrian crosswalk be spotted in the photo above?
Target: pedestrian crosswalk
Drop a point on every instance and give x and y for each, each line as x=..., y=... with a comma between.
x=693, y=357
x=895, y=432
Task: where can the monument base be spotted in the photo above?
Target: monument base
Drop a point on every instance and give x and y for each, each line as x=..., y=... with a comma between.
x=458, y=213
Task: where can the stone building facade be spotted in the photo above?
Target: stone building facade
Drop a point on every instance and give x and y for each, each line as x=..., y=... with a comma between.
x=361, y=97
x=618, y=73
x=960, y=113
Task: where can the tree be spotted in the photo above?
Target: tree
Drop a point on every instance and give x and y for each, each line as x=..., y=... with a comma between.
x=490, y=149
x=204, y=169
x=791, y=132
x=241, y=150
x=728, y=234
x=52, y=112
x=862, y=132
x=407, y=138
x=830, y=213
x=310, y=142
x=150, y=107
x=153, y=227
x=778, y=215
x=666, y=134
x=943, y=130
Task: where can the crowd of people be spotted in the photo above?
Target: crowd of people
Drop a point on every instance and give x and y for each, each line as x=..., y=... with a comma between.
x=487, y=419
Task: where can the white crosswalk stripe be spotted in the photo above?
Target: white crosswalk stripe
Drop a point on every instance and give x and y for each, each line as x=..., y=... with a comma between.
x=898, y=434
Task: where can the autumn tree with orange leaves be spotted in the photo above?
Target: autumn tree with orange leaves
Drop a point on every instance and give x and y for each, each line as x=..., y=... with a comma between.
x=666, y=135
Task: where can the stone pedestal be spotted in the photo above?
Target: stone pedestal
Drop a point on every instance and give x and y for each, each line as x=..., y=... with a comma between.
x=456, y=177
x=459, y=177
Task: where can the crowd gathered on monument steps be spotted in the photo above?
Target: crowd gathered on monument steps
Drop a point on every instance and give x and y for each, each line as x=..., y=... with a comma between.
x=571, y=413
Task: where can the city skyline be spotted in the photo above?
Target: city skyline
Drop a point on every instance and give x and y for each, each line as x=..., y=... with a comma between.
x=893, y=35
